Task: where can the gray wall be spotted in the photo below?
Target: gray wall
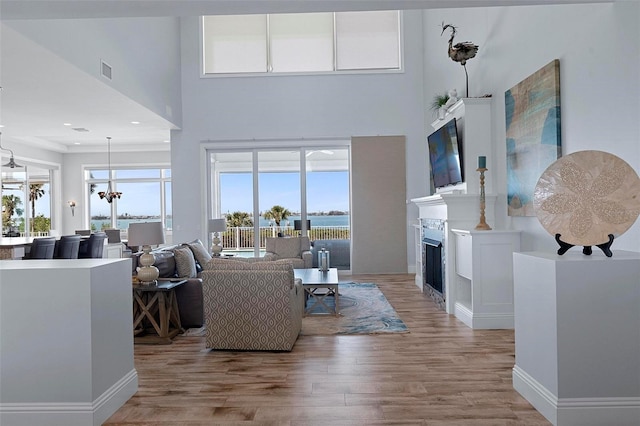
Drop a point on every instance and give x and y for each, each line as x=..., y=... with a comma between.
x=292, y=107
x=599, y=56
x=598, y=46
x=378, y=206
x=144, y=54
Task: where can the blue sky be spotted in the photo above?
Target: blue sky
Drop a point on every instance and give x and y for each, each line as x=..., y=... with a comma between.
x=325, y=191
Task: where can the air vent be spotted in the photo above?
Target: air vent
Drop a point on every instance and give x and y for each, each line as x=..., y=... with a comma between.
x=105, y=70
x=80, y=129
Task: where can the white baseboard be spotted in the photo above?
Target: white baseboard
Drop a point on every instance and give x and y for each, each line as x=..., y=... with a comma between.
x=576, y=411
x=71, y=414
x=483, y=321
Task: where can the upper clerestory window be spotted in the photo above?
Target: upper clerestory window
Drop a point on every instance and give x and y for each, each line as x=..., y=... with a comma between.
x=301, y=42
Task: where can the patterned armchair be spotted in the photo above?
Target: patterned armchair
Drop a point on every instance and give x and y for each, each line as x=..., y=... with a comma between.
x=295, y=249
x=251, y=306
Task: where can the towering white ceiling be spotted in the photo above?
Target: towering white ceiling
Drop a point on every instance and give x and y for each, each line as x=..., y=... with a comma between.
x=36, y=102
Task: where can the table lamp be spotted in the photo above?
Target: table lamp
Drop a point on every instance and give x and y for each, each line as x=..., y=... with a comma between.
x=146, y=234
x=216, y=226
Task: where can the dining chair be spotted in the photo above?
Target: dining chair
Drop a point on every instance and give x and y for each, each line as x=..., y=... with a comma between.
x=41, y=248
x=113, y=235
x=92, y=247
x=67, y=247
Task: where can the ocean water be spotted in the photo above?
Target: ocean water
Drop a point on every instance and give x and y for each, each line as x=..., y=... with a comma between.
x=342, y=220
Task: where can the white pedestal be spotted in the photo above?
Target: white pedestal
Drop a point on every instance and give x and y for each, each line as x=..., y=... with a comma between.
x=577, y=336
x=484, y=277
x=66, y=341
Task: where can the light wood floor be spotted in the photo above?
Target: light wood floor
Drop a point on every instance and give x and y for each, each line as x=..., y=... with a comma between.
x=441, y=373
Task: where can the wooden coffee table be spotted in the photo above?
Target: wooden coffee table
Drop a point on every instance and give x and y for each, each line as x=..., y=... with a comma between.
x=156, y=318
x=317, y=286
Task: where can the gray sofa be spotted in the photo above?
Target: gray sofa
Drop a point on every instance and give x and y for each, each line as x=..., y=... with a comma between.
x=339, y=252
x=189, y=294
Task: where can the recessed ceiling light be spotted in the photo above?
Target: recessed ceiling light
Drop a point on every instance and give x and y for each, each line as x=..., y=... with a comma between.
x=167, y=141
x=66, y=124
x=1, y=125
x=135, y=122
x=76, y=143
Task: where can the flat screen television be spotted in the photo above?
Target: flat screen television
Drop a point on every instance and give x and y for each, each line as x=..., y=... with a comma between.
x=445, y=156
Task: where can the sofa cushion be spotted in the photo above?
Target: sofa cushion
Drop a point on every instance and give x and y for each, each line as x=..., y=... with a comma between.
x=215, y=261
x=200, y=253
x=185, y=262
x=288, y=247
x=246, y=263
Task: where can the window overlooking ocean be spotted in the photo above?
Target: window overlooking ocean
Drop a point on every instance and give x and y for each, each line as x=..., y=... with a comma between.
x=146, y=197
x=304, y=183
x=26, y=201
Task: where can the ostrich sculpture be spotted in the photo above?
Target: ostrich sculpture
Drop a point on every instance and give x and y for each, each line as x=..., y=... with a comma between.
x=460, y=52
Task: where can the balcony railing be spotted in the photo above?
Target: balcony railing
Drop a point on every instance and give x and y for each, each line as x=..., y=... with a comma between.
x=242, y=237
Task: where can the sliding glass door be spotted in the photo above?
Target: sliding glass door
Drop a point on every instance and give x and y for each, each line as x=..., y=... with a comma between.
x=278, y=191
x=267, y=192
x=327, y=183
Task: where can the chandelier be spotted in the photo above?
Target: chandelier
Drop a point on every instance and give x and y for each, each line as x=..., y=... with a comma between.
x=109, y=194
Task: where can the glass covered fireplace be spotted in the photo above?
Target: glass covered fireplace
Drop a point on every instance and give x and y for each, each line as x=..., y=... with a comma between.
x=433, y=260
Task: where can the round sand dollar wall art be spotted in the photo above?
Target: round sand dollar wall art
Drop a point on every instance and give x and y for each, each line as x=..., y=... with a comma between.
x=586, y=196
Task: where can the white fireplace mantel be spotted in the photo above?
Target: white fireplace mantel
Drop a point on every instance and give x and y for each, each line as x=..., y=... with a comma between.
x=463, y=208
x=457, y=210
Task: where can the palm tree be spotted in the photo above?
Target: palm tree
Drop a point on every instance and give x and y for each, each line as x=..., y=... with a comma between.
x=10, y=207
x=238, y=219
x=35, y=192
x=277, y=214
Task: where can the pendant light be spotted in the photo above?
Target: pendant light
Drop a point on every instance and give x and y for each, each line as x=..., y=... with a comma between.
x=12, y=163
x=109, y=194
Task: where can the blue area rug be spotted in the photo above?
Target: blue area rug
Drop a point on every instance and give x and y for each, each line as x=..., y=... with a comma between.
x=363, y=310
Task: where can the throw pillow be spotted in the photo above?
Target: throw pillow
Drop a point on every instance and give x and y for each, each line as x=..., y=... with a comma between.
x=185, y=262
x=199, y=252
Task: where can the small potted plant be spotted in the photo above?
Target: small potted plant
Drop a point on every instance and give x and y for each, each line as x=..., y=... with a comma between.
x=438, y=105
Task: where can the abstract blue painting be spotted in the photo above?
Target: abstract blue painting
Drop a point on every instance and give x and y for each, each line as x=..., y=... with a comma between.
x=532, y=112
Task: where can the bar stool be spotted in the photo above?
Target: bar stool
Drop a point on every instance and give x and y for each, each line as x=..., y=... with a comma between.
x=42, y=248
x=67, y=247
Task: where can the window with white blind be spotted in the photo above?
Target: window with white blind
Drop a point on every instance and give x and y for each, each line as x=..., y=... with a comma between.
x=301, y=42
